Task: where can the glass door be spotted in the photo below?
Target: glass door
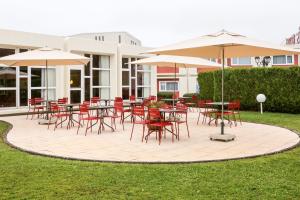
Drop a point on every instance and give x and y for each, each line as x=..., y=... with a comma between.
x=75, y=85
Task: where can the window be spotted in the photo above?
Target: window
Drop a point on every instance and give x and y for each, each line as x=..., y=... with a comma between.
x=96, y=37
x=168, y=86
x=101, y=76
x=282, y=60
x=135, y=79
x=120, y=39
x=241, y=61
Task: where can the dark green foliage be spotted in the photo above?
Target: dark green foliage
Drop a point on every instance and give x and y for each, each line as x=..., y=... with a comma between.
x=280, y=85
x=165, y=95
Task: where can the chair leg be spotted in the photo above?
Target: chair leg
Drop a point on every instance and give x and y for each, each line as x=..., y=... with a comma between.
x=143, y=132
x=78, y=126
x=198, y=118
x=187, y=127
x=132, y=131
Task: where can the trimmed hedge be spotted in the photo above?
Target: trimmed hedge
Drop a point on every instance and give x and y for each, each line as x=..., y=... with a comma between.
x=280, y=85
x=165, y=95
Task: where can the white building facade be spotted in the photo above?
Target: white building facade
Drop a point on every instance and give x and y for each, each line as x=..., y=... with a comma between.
x=107, y=75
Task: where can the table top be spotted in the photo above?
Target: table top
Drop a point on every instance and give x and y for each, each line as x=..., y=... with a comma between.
x=169, y=99
x=170, y=110
x=217, y=103
x=185, y=97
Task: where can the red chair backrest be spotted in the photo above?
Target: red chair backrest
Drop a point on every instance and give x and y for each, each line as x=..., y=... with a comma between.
x=194, y=98
x=237, y=104
x=231, y=106
x=132, y=98
x=138, y=111
x=38, y=100
x=83, y=109
x=152, y=98
x=146, y=102
x=118, y=106
x=95, y=100
x=181, y=100
x=174, y=96
x=118, y=99
x=62, y=101
x=88, y=103
x=202, y=104
x=154, y=114
x=54, y=107
x=181, y=106
x=31, y=102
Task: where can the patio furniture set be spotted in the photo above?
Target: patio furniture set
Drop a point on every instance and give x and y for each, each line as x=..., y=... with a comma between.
x=159, y=120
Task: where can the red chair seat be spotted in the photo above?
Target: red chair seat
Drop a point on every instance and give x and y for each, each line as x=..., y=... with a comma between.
x=89, y=118
x=62, y=115
x=161, y=124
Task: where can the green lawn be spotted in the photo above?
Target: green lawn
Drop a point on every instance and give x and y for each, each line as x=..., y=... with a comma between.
x=25, y=176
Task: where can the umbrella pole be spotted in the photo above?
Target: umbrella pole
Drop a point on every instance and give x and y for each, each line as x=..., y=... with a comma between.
x=222, y=115
x=174, y=86
x=47, y=115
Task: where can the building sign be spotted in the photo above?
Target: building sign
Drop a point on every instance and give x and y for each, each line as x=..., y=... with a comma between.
x=294, y=39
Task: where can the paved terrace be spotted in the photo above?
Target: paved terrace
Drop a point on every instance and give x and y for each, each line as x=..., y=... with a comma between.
x=251, y=140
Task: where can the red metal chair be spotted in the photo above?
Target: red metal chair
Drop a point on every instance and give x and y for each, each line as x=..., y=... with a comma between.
x=192, y=103
x=237, y=109
x=132, y=98
x=34, y=105
x=138, y=117
x=58, y=113
x=62, y=101
x=207, y=110
x=95, y=101
x=118, y=99
x=152, y=98
x=181, y=118
x=230, y=112
x=84, y=115
x=119, y=112
x=157, y=121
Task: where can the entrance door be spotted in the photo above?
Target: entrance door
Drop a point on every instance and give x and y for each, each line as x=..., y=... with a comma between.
x=75, y=86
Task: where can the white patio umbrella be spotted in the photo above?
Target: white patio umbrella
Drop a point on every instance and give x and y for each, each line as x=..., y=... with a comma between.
x=177, y=61
x=44, y=57
x=223, y=45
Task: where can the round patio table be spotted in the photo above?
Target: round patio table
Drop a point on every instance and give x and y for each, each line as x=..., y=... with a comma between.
x=218, y=107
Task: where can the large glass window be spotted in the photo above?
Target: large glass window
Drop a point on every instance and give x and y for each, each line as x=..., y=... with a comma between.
x=135, y=79
x=282, y=60
x=101, y=76
x=167, y=86
x=241, y=61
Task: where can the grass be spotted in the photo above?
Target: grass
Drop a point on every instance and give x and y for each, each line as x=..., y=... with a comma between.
x=25, y=176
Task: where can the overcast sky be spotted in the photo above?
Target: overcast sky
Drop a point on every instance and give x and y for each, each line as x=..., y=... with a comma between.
x=154, y=22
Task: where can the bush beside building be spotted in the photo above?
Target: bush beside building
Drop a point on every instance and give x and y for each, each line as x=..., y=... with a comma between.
x=281, y=85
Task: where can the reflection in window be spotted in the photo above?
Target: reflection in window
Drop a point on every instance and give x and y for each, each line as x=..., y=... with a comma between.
x=87, y=66
x=7, y=98
x=125, y=63
x=75, y=96
x=125, y=92
x=7, y=77
x=23, y=91
x=101, y=78
x=125, y=78
x=143, y=92
x=168, y=86
x=75, y=79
